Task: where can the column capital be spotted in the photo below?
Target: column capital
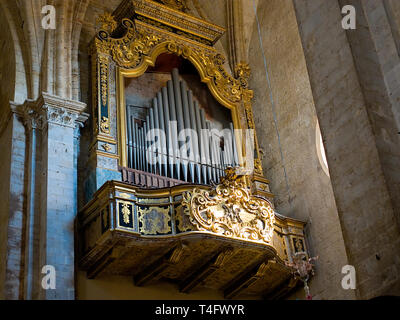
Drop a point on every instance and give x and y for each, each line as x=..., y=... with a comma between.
x=51, y=109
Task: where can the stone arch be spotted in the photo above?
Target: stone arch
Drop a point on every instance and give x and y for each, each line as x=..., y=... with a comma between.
x=7, y=64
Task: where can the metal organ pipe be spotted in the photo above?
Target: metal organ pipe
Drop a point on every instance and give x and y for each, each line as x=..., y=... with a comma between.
x=234, y=147
x=203, y=160
x=130, y=136
x=210, y=138
x=195, y=137
x=162, y=137
x=134, y=143
x=174, y=109
x=158, y=142
x=187, y=124
x=206, y=138
x=174, y=128
x=146, y=146
x=149, y=151
x=153, y=147
x=168, y=133
x=179, y=115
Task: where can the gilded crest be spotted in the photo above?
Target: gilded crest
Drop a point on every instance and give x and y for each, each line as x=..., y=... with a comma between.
x=230, y=210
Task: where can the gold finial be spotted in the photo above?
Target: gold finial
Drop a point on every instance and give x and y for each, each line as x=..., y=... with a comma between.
x=243, y=72
x=107, y=22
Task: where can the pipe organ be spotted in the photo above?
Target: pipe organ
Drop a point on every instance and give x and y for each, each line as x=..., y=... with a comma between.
x=175, y=140
x=166, y=199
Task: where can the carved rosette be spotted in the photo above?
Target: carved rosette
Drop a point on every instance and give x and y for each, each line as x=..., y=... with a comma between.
x=230, y=210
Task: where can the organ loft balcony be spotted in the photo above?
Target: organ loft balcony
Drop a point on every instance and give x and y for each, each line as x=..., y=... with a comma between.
x=168, y=198
x=221, y=237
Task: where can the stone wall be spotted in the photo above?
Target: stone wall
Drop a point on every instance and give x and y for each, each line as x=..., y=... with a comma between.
x=377, y=62
x=348, y=82
x=5, y=142
x=12, y=209
x=362, y=196
x=286, y=133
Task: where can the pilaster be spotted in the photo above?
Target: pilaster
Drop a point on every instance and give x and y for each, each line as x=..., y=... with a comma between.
x=52, y=125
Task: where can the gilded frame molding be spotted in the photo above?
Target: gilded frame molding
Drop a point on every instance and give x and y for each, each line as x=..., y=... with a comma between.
x=139, y=49
x=149, y=61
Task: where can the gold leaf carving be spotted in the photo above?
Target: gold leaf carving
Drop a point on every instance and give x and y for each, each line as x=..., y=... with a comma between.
x=230, y=210
x=126, y=213
x=104, y=80
x=106, y=147
x=107, y=22
x=105, y=125
x=154, y=220
x=130, y=50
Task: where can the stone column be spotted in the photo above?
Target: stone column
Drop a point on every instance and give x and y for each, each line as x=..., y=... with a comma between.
x=55, y=179
x=12, y=208
x=33, y=124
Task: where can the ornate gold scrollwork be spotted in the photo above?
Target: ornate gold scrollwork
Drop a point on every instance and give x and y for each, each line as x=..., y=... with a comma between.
x=107, y=22
x=258, y=170
x=243, y=71
x=138, y=47
x=154, y=220
x=104, y=79
x=105, y=125
x=126, y=213
x=231, y=210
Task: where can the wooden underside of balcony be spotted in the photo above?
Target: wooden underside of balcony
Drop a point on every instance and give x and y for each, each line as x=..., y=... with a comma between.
x=221, y=238
x=192, y=260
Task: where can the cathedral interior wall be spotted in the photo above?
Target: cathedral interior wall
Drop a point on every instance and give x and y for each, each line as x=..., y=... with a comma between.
x=361, y=193
x=5, y=142
x=346, y=82
x=301, y=187
x=122, y=288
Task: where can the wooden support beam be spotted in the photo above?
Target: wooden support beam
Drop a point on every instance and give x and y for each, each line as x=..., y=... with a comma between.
x=282, y=290
x=242, y=283
x=108, y=258
x=155, y=270
x=205, y=271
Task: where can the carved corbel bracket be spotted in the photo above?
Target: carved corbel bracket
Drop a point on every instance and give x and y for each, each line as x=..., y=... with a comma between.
x=205, y=271
x=156, y=270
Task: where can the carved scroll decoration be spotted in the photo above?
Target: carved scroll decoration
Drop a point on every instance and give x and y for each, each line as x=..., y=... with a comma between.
x=230, y=210
x=139, y=47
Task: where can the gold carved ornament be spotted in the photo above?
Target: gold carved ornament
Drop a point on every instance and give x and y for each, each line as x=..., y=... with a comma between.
x=105, y=125
x=126, y=213
x=137, y=47
x=230, y=210
x=154, y=220
x=104, y=79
